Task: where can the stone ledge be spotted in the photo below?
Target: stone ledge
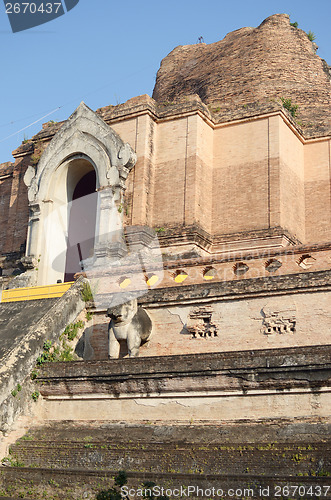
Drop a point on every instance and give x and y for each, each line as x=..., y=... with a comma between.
x=91, y=479
x=243, y=288
x=241, y=372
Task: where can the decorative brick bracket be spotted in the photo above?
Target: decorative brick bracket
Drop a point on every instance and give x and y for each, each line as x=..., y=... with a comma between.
x=278, y=320
x=199, y=323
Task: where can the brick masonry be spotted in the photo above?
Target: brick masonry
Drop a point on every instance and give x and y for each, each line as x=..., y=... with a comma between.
x=251, y=65
x=173, y=186
x=241, y=311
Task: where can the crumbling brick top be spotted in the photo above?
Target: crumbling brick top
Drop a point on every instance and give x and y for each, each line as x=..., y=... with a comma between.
x=252, y=67
x=6, y=169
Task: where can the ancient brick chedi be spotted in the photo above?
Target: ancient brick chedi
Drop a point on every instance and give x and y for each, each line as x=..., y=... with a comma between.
x=252, y=67
x=222, y=183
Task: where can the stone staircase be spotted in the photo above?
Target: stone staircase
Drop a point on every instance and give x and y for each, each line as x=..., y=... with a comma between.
x=215, y=420
x=24, y=328
x=72, y=460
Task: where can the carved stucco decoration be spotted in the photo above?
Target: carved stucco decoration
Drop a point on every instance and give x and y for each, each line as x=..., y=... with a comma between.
x=30, y=180
x=87, y=134
x=278, y=319
x=199, y=323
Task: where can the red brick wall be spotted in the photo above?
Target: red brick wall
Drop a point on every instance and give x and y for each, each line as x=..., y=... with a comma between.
x=14, y=207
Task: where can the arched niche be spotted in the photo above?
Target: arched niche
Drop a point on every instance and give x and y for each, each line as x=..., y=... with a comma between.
x=84, y=144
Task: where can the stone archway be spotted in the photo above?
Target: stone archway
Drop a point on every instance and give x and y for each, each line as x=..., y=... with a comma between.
x=85, y=143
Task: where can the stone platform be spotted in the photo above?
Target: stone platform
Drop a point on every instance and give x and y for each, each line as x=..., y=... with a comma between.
x=260, y=384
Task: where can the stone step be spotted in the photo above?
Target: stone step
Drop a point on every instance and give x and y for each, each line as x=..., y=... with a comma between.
x=260, y=458
x=218, y=449
x=68, y=484
x=69, y=460
x=289, y=431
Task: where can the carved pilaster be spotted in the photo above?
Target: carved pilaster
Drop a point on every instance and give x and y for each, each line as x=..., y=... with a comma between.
x=110, y=244
x=33, y=230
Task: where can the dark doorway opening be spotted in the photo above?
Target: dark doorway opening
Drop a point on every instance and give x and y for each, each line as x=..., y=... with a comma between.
x=81, y=226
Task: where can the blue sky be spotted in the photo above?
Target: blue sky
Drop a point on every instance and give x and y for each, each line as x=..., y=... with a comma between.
x=105, y=51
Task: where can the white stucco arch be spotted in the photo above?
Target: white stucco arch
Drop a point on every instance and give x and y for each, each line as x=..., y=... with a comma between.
x=83, y=143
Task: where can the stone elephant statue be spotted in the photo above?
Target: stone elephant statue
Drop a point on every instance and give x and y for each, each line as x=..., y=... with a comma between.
x=128, y=322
